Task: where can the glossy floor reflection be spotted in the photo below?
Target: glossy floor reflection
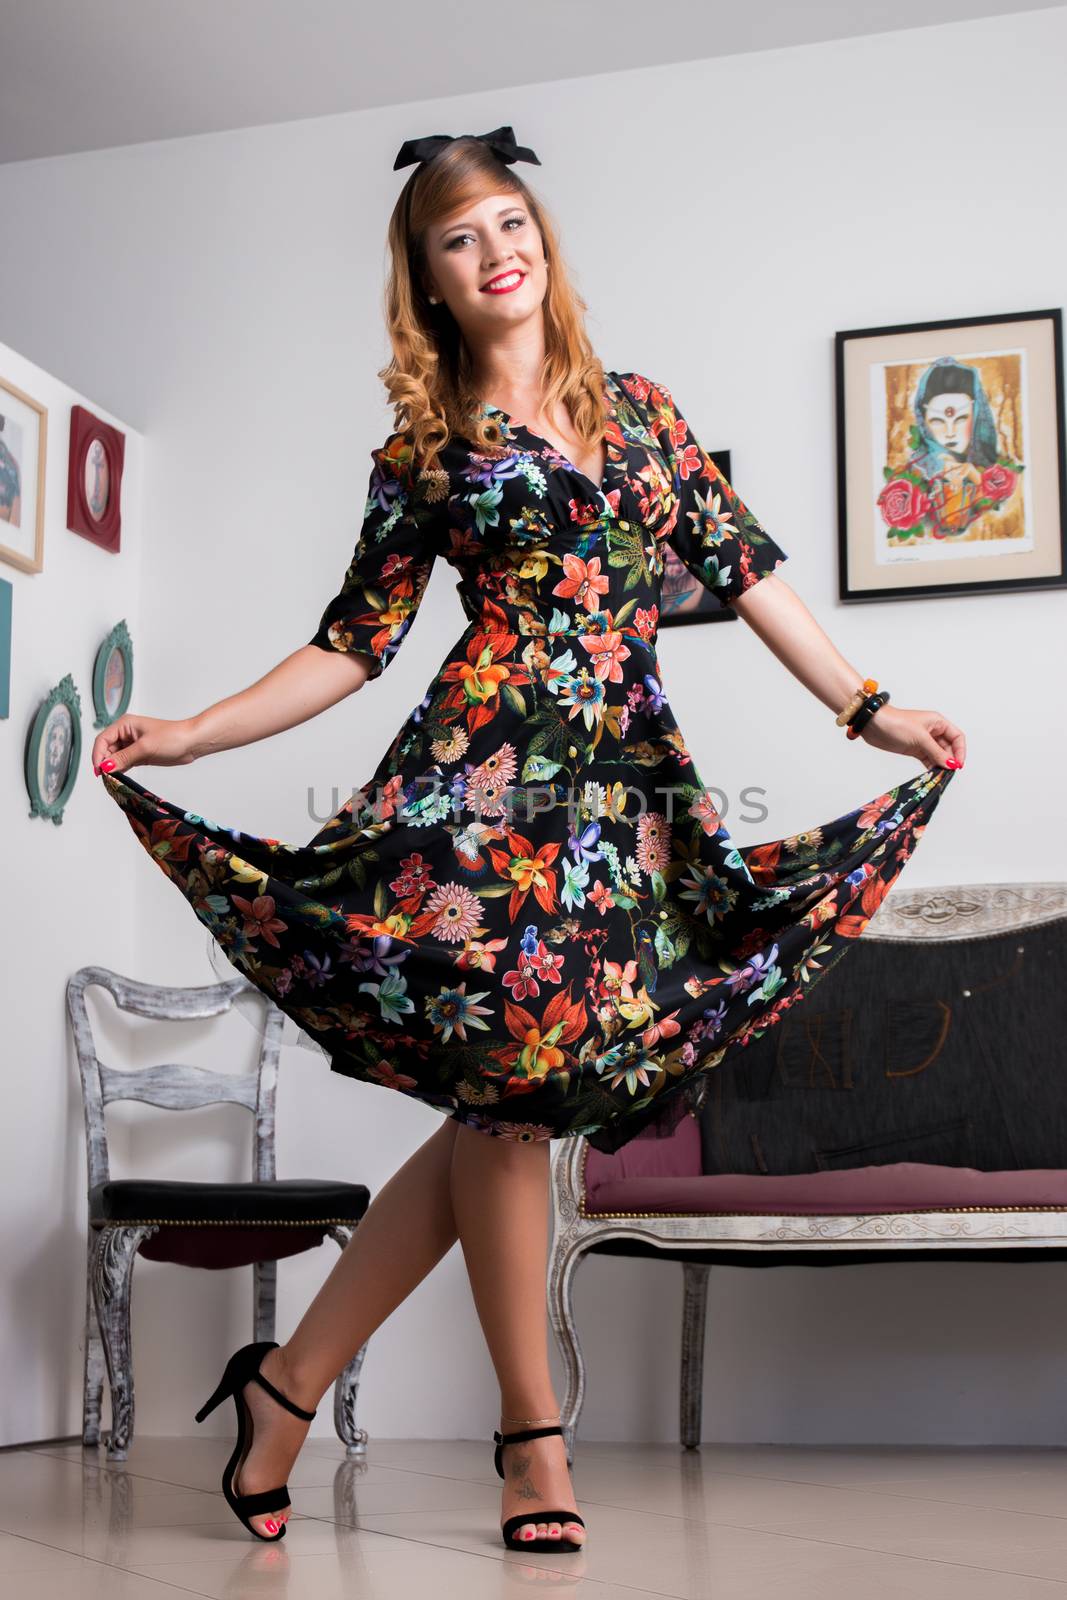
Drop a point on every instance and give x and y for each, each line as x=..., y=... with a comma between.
x=420, y=1518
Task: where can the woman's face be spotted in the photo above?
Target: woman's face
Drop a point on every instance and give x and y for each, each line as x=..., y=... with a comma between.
x=948, y=420
x=487, y=263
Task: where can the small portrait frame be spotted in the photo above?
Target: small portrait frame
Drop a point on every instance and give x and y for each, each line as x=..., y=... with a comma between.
x=53, y=751
x=23, y=458
x=94, y=479
x=950, y=457
x=113, y=676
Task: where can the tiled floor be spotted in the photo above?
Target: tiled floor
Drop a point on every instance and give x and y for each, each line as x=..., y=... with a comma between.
x=420, y=1519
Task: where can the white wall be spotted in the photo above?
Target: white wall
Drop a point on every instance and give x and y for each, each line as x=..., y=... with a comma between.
x=730, y=216
x=67, y=902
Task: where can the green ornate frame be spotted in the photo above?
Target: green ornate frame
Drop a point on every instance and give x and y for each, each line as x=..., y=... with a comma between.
x=119, y=636
x=66, y=693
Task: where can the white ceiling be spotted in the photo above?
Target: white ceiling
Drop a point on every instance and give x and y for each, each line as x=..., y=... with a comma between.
x=86, y=76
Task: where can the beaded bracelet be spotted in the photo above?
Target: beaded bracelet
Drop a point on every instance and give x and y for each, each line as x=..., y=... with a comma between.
x=848, y=711
x=865, y=713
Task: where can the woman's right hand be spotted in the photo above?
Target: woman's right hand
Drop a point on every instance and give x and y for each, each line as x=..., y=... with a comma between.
x=148, y=741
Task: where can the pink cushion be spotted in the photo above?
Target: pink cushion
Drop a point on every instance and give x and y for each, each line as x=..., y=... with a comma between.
x=675, y=1155
x=897, y=1186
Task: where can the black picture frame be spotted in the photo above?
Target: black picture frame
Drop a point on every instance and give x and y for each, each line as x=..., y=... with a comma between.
x=995, y=570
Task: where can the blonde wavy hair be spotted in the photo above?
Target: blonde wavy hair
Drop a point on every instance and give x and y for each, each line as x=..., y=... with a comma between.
x=429, y=376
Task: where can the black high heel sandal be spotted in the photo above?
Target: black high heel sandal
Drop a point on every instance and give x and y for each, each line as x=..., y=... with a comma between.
x=242, y=1368
x=512, y=1525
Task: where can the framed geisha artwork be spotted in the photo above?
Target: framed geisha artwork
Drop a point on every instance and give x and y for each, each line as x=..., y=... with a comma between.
x=683, y=598
x=950, y=457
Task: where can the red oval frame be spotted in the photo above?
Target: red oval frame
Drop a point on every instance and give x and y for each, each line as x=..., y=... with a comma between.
x=106, y=531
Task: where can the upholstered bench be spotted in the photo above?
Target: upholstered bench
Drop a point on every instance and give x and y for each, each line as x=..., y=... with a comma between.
x=913, y=1102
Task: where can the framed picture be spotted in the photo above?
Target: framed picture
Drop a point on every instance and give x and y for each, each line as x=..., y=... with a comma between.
x=5, y=647
x=113, y=676
x=684, y=598
x=23, y=453
x=94, y=479
x=950, y=457
x=53, y=751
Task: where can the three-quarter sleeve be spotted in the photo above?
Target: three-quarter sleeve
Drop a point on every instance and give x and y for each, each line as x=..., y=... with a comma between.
x=390, y=567
x=714, y=533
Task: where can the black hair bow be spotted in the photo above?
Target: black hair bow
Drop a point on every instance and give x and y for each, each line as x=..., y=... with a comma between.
x=501, y=141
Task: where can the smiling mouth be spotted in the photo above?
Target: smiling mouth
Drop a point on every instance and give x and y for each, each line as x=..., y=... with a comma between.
x=505, y=283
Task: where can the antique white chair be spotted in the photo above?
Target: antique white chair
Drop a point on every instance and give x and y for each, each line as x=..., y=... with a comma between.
x=192, y=1224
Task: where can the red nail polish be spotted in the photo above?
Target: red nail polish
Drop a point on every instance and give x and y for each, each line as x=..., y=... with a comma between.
x=106, y=766
x=952, y=762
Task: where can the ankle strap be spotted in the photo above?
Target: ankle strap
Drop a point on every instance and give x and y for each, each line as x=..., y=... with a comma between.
x=283, y=1400
x=511, y=1438
x=525, y=1433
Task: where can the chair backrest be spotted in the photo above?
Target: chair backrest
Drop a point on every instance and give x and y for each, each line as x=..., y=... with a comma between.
x=173, y=1086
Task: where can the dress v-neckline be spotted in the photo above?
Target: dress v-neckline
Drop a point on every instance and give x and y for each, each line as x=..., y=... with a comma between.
x=600, y=488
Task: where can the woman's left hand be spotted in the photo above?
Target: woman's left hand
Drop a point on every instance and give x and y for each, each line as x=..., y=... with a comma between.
x=927, y=735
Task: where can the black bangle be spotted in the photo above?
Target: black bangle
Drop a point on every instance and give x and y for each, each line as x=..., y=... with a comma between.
x=866, y=711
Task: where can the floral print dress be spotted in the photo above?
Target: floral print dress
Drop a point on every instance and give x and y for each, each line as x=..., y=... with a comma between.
x=531, y=915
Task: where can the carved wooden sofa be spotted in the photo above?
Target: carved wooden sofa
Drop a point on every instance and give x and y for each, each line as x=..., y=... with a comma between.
x=912, y=1103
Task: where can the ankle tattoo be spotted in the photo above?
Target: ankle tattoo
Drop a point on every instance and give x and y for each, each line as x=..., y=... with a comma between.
x=522, y=1483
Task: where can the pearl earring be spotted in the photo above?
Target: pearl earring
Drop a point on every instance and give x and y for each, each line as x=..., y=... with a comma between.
x=433, y=299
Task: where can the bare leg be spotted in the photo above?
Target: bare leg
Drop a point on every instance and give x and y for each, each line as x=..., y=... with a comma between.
x=500, y=1207
x=405, y=1231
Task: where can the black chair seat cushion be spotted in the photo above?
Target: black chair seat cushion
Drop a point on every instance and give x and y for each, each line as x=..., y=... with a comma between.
x=170, y=1200
x=218, y=1225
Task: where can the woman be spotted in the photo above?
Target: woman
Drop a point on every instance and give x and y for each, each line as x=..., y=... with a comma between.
x=954, y=446
x=574, y=966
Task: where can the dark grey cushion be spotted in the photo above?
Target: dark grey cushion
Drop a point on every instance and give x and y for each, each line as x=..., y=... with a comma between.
x=945, y=1051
